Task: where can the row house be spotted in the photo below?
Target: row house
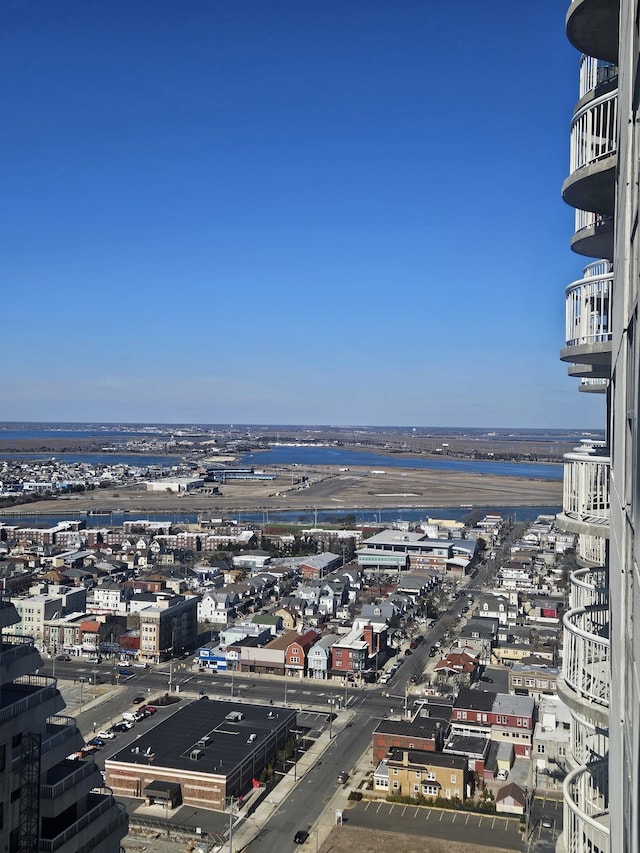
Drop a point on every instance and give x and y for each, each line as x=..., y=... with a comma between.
x=478, y=637
x=217, y=608
x=498, y=716
x=498, y=607
x=319, y=657
x=514, y=575
x=536, y=680
x=296, y=653
x=366, y=643
x=109, y=597
x=418, y=773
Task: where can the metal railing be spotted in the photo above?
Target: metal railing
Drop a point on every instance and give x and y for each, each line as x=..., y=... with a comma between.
x=41, y=689
x=585, y=663
x=586, y=485
x=586, y=809
x=595, y=72
x=48, y=845
x=594, y=131
x=587, y=219
x=82, y=771
x=589, y=306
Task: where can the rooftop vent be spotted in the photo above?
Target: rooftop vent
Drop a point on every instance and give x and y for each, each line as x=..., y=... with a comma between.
x=196, y=754
x=204, y=741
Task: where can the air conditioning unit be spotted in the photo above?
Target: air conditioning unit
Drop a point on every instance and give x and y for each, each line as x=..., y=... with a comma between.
x=196, y=754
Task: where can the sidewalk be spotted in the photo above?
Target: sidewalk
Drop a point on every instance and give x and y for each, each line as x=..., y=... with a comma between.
x=249, y=829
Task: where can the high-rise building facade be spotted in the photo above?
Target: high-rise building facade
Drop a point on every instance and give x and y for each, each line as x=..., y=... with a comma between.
x=601, y=668
x=52, y=797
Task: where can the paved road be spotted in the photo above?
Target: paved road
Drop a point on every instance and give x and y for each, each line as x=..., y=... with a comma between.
x=365, y=707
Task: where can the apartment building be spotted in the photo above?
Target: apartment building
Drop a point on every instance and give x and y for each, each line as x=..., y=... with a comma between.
x=600, y=681
x=418, y=773
x=169, y=627
x=47, y=800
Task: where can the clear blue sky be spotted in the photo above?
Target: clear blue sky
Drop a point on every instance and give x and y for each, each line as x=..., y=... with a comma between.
x=287, y=211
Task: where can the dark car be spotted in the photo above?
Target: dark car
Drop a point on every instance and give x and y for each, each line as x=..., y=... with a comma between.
x=138, y=699
x=120, y=727
x=125, y=671
x=342, y=777
x=63, y=657
x=96, y=741
x=301, y=836
x=407, y=652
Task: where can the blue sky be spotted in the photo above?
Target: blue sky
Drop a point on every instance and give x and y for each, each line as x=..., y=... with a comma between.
x=330, y=211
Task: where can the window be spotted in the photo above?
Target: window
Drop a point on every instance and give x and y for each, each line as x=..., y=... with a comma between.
x=416, y=789
x=529, y=682
x=541, y=749
x=395, y=783
x=417, y=774
x=517, y=680
x=562, y=751
x=395, y=771
x=431, y=776
x=454, y=778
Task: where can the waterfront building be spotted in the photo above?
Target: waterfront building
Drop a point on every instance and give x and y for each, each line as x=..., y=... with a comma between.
x=600, y=681
x=52, y=797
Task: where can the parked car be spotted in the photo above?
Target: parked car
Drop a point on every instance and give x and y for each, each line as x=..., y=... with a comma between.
x=301, y=836
x=63, y=657
x=138, y=699
x=124, y=671
x=106, y=734
x=342, y=777
x=124, y=726
x=407, y=652
x=148, y=709
x=96, y=741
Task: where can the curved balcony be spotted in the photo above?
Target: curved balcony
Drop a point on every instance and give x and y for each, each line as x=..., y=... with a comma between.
x=589, y=586
x=585, y=664
x=589, y=741
x=586, y=809
x=591, y=550
x=591, y=182
x=594, y=385
x=592, y=27
x=593, y=235
x=586, y=500
x=588, y=316
x=590, y=372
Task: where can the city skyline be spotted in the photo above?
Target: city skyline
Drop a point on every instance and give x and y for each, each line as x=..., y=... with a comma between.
x=284, y=214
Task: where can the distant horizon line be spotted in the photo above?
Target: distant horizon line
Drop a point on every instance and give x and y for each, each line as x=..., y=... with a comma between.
x=262, y=425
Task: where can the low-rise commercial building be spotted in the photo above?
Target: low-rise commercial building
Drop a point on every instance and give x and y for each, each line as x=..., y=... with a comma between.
x=201, y=755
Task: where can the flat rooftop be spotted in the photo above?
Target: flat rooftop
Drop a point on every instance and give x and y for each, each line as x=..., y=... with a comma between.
x=171, y=742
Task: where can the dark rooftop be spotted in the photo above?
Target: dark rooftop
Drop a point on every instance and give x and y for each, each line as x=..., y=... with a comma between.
x=170, y=743
x=476, y=700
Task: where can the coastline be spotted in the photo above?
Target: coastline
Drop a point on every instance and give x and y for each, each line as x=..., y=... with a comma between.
x=359, y=488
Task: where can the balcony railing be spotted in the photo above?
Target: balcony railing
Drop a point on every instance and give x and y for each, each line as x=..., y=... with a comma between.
x=24, y=693
x=82, y=770
x=594, y=385
x=588, y=306
x=585, y=663
x=593, y=131
x=588, y=587
x=48, y=845
x=586, y=811
x=594, y=73
x=586, y=486
x=589, y=740
x=592, y=549
x=587, y=219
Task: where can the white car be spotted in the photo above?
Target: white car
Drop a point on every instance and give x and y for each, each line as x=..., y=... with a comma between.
x=106, y=735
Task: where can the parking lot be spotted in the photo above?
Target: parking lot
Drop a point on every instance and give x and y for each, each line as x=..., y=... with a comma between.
x=497, y=831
